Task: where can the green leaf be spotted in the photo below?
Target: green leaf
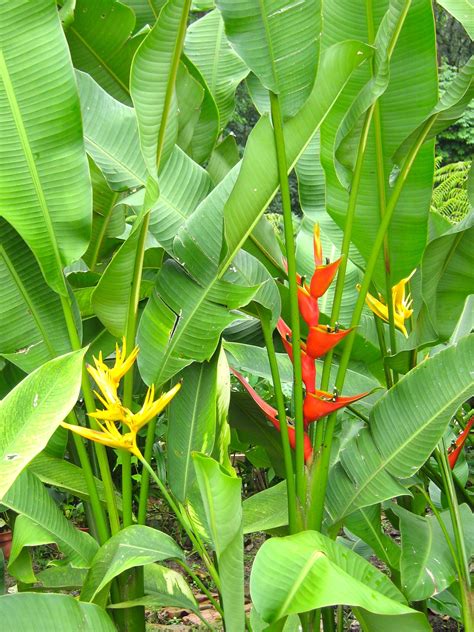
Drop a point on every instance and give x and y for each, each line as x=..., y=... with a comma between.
x=401, y=110
x=26, y=533
x=305, y=571
x=427, y=566
x=32, y=411
x=275, y=38
x=32, y=326
x=146, y=11
x=266, y=510
x=398, y=442
x=61, y=577
x=207, y=47
x=462, y=11
x=220, y=493
x=28, y=496
x=33, y=611
x=223, y=158
x=44, y=182
x=101, y=45
x=447, y=271
x=152, y=80
x=136, y=545
x=190, y=95
x=192, y=424
x=111, y=136
x=163, y=587
x=367, y=525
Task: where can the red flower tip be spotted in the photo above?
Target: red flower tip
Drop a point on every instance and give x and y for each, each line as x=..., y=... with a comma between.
x=322, y=338
x=308, y=366
x=308, y=306
x=320, y=404
x=454, y=452
x=323, y=277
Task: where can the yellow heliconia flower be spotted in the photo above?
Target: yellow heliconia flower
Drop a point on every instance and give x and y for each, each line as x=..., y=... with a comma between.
x=108, y=379
x=401, y=305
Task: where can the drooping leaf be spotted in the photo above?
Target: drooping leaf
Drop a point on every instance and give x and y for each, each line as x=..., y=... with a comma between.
x=136, y=545
x=50, y=612
x=220, y=493
x=279, y=41
x=32, y=411
x=308, y=570
x=44, y=184
x=405, y=426
x=207, y=47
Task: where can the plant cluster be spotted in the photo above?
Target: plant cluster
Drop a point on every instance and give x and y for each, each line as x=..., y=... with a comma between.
x=141, y=280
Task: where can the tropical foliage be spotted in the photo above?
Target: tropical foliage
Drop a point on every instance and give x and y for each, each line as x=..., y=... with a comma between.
x=154, y=324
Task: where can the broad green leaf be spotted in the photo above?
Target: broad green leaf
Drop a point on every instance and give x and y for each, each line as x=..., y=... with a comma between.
x=266, y=510
x=451, y=106
x=279, y=41
x=223, y=158
x=222, y=439
x=427, y=566
x=152, y=83
x=220, y=493
x=33, y=611
x=191, y=424
x=61, y=577
x=305, y=571
x=207, y=47
x=190, y=95
x=146, y=11
x=44, y=183
x=367, y=525
x=66, y=476
x=163, y=587
x=462, y=11
x=400, y=110
x=28, y=496
x=258, y=179
x=398, y=441
x=101, y=45
x=111, y=136
x=136, y=545
x=447, y=271
x=32, y=411
x=32, y=326
x=26, y=533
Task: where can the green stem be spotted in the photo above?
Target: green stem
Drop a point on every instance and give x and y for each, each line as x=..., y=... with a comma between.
x=90, y=407
x=294, y=310
x=437, y=480
x=323, y=463
x=467, y=600
x=383, y=350
x=101, y=236
x=285, y=441
x=145, y=480
x=201, y=585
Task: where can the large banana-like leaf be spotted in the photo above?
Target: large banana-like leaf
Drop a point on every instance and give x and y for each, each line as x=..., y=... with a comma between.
x=207, y=47
x=190, y=331
x=33, y=611
x=220, y=493
x=152, y=83
x=136, y=545
x=32, y=326
x=101, y=44
x=279, y=41
x=191, y=424
x=28, y=496
x=44, y=183
x=427, y=564
x=409, y=96
x=305, y=571
x=32, y=411
x=447, y=271
x=405, y=426
x=111, y=136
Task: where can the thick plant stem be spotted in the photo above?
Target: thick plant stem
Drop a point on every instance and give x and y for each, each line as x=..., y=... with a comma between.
x=294, y=310
x=317, y=508
x=285, y=441
x=102, y=233
x=383, y=350
x=467, y=597
x=145, y=480
x=90, y=407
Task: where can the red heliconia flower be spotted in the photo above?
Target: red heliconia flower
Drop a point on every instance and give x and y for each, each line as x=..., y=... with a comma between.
x=308, y=366
x=322, y=339
x=322, y=278
x=271, y=414
x=454, y=452
x=320, y=404
x=308, y=306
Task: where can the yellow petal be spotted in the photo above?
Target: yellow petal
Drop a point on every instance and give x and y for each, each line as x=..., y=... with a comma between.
x=379, y=308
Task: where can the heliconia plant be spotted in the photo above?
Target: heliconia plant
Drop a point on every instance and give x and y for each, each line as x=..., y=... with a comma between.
x=153, y=323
